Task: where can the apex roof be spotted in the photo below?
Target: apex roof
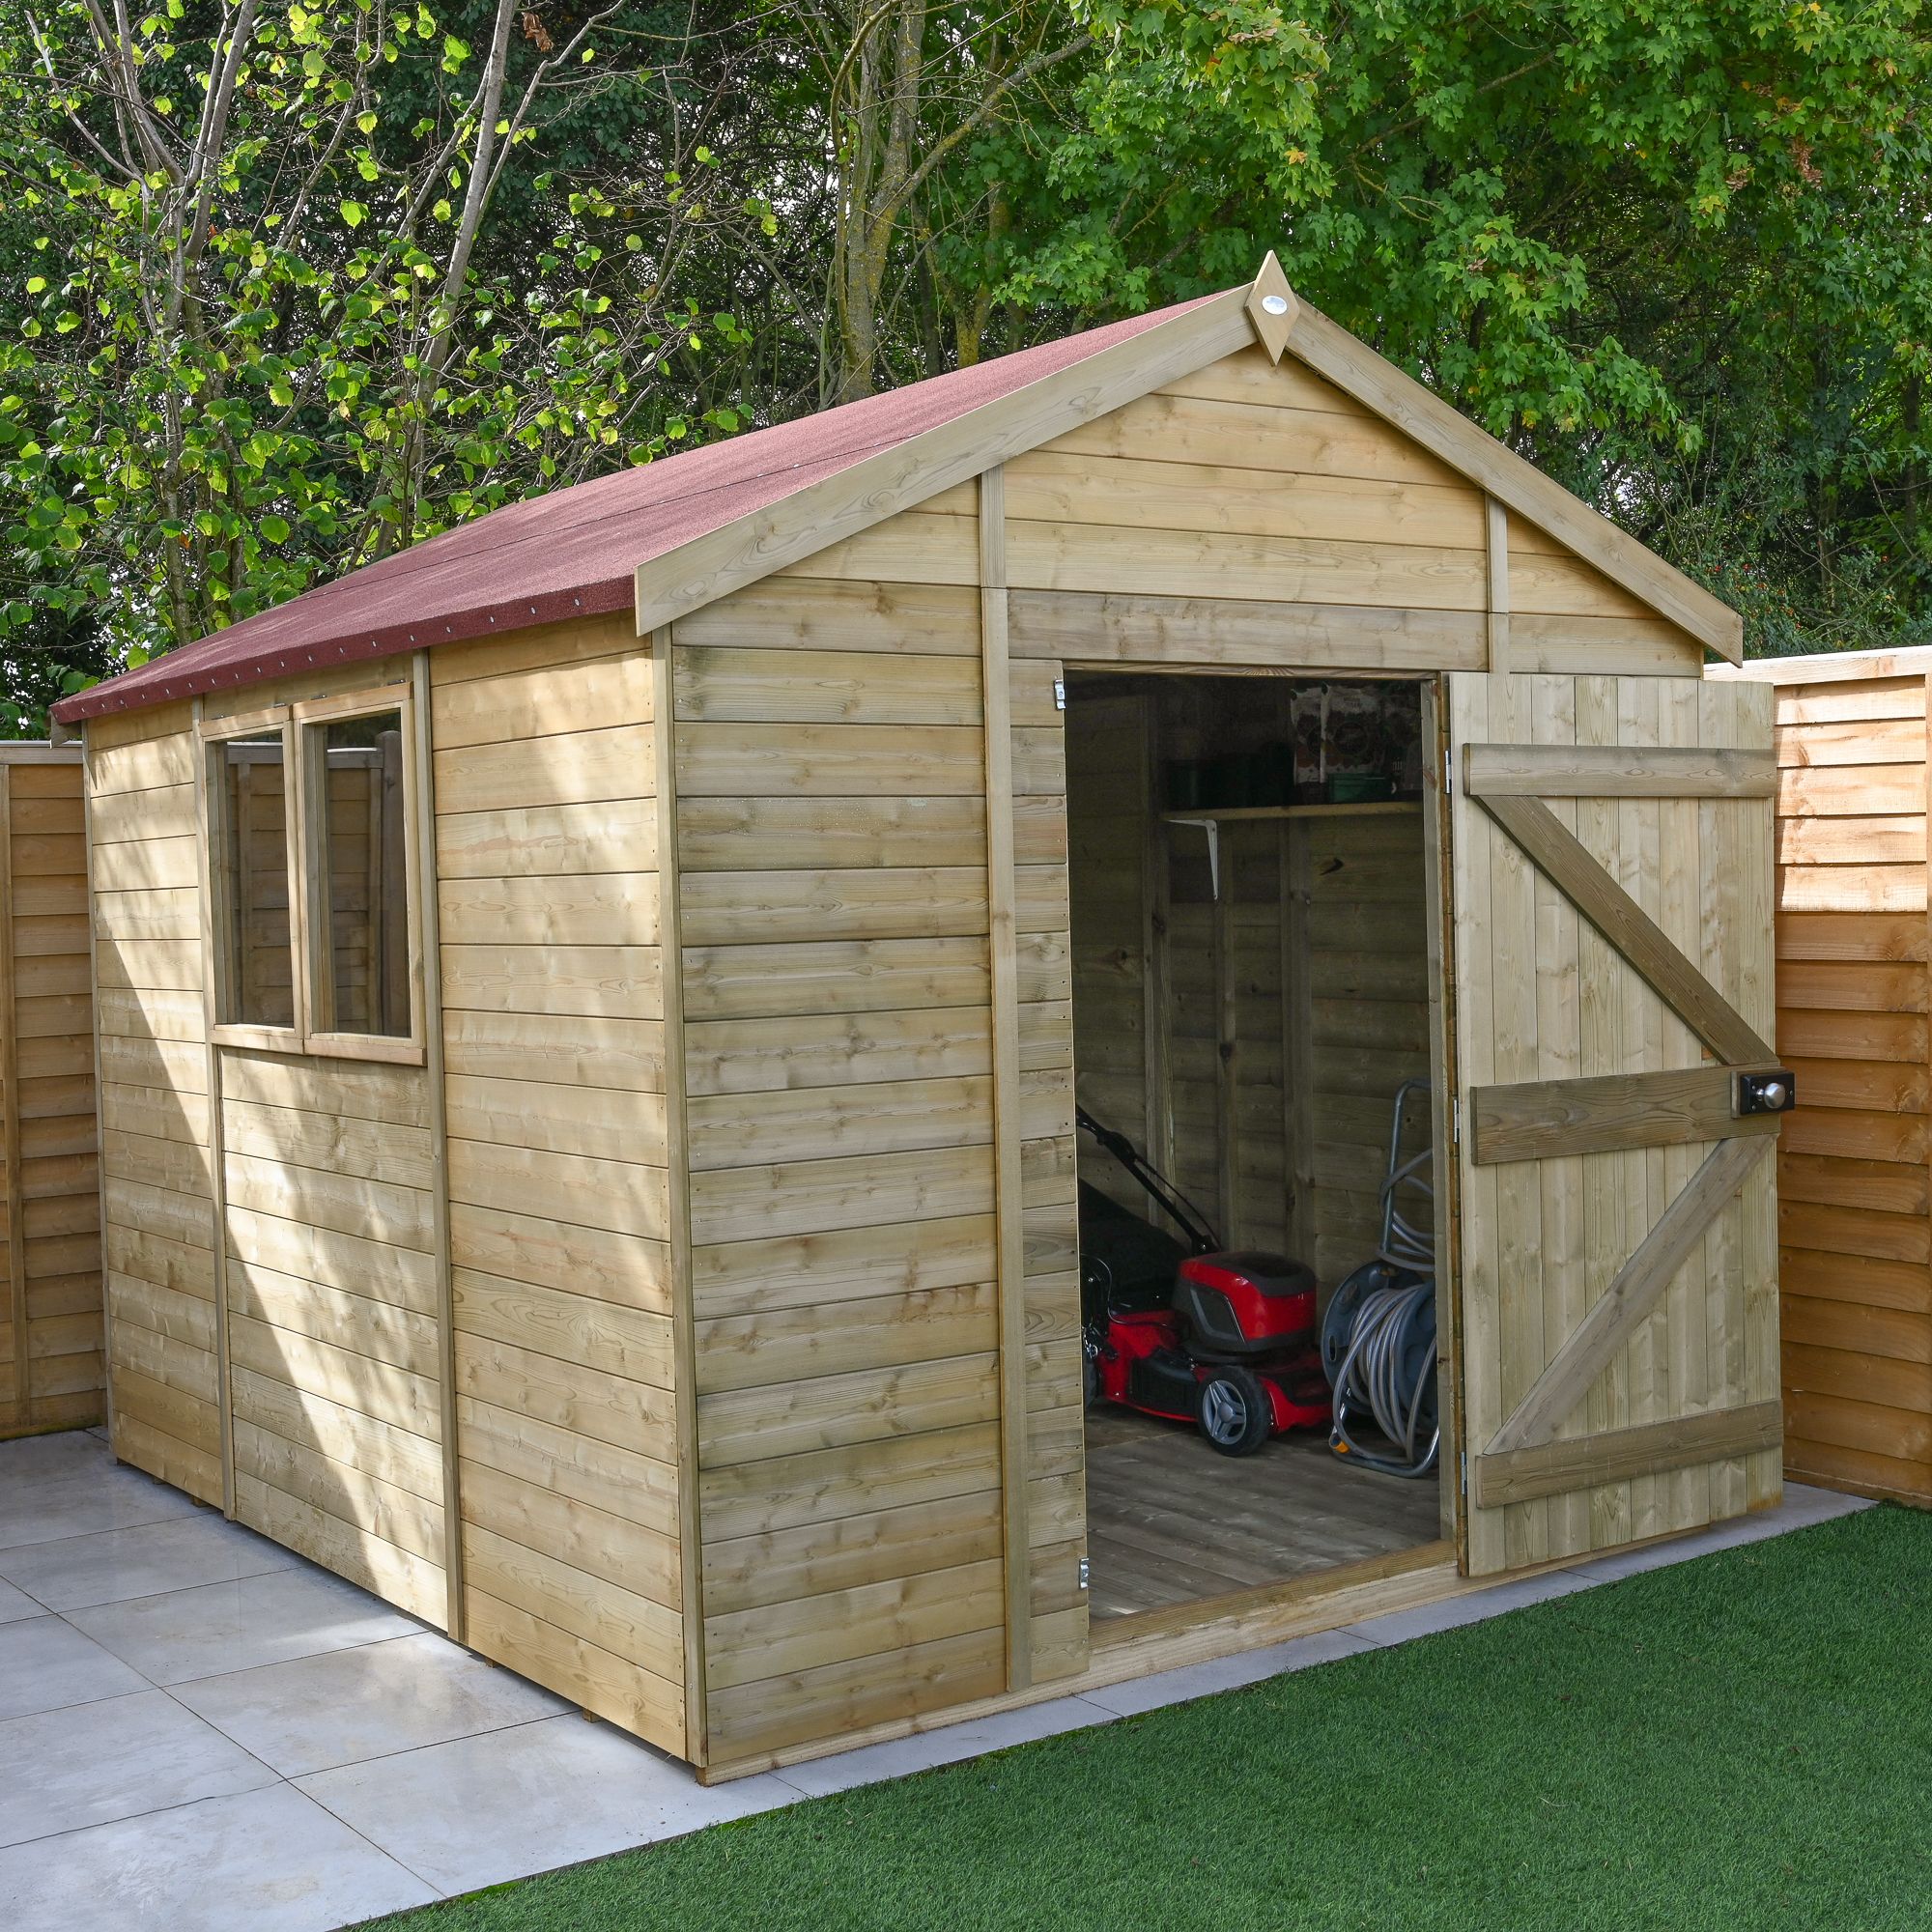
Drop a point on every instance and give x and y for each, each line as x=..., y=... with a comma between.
x=674, y=534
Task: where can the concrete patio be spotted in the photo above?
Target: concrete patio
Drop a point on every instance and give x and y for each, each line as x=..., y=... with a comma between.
x=200, y=1731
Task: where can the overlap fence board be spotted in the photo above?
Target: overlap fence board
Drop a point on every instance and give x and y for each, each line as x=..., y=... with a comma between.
x=1854, y=1215
x=52, y=1372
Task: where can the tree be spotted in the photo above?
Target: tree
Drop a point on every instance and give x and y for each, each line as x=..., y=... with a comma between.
x=285, y=287
x=1679, y=257
x=269, y=330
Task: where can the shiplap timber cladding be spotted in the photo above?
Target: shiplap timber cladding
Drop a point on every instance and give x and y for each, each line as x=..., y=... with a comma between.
x=553, y=1038
x=1855, y=1207
x=329, y=1290
x=1160, y=533
x=1542, y=995
x=51, y=1370
x=838, y=1038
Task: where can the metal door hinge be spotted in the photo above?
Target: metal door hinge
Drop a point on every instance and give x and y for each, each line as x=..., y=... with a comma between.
x=1083, y=1572
x=1462, y=1458
x=1455, y=1120
x=1059, y=694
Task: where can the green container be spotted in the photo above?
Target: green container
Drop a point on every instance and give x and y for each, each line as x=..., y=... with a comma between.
x=1359, y=788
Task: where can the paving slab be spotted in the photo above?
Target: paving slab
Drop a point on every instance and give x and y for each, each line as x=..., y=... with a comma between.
x=49, y=1500
x=94, y=1763
x=483, y=1809
x=348, y=1705
x=222, y=1627
x=46, y=1665
x=16, y=1603
x=31, y=1458
x=268, y=1861
x=114, y=1565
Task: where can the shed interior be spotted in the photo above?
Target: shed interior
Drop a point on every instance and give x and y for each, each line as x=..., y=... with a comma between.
x=1249, y=903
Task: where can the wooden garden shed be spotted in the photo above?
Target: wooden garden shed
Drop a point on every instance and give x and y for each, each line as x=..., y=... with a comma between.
x=598, y=1003
x=51, y=1375
x=1856, y=1208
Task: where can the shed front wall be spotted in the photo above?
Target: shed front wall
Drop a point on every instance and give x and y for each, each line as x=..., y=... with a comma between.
x=832, y=887
x=51, y=1375
x=1855, y=1214
x=832, y=896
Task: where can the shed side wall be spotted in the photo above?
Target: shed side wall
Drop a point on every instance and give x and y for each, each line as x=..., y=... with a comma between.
x=327, y=1216
x=157, y=1191
x=1855, y=1205
x=553, y=998
x=51, y=1374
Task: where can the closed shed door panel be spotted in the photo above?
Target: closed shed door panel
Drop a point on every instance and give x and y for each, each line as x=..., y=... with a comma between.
x=1611, y=900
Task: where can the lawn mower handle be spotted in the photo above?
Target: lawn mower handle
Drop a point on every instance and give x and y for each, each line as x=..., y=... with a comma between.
x=1200, y=1236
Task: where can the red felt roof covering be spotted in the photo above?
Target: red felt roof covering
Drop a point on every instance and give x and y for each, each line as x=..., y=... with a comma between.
x=574, y=550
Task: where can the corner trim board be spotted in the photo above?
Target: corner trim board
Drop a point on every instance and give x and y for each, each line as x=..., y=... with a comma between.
x=1009, y=1237
x=420, y=868
x=677, y=1184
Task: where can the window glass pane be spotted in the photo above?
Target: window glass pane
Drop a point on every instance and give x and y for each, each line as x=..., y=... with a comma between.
x=258, y=986
x=366, y=963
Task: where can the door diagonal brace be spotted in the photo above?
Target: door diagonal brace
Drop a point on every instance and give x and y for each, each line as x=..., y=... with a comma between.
x=1577, y=873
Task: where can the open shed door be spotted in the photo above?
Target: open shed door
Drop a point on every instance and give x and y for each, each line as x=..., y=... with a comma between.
x=1610, y=907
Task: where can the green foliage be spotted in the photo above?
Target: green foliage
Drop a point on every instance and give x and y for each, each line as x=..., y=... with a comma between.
x=1679, y=257
x=267, y=329
x=286, y=287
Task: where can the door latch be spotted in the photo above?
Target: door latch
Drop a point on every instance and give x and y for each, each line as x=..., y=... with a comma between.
x=1775, y=1093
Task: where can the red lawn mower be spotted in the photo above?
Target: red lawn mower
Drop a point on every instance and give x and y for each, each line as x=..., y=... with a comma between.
x=1186, y=1329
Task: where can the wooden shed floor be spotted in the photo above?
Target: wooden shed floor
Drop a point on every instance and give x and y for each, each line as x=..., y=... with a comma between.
x=1171, y=1521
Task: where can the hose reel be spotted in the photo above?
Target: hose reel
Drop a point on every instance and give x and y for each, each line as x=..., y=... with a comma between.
x=1379, y=1340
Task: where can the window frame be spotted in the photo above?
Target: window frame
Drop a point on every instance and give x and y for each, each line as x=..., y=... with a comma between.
x=215, y=738
x=303, y=728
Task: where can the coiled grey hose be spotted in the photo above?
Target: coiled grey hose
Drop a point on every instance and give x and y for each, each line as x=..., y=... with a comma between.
x=1371, y=1377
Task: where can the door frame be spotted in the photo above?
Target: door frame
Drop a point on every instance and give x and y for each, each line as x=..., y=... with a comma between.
x=1349, y=1580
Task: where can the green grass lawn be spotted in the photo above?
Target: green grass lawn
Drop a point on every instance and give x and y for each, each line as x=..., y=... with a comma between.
x=1741, y=1742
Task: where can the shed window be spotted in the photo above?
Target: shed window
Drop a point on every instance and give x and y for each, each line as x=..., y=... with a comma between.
x=311, y=863
x=360, y=893
x=252, y=871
